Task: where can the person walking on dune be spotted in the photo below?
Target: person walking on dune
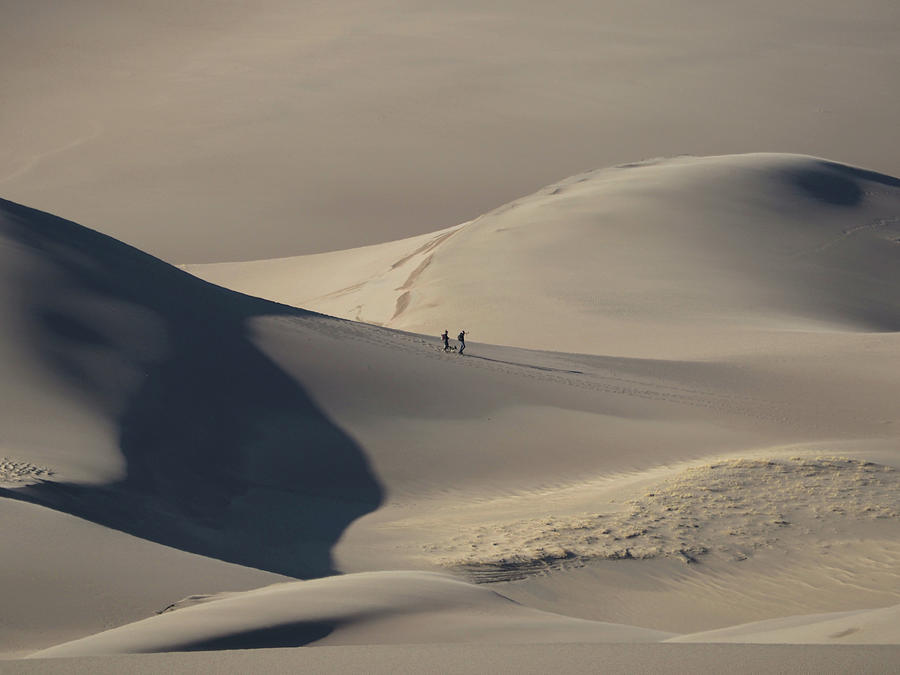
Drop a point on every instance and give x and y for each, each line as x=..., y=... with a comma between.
x=445, y=336
x=462, y=341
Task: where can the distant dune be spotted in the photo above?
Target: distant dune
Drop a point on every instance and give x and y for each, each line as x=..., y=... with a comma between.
x=671, y=257
x=220, y=130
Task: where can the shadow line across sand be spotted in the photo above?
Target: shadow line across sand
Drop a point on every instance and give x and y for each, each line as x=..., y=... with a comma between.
x=529, y=366
x=227, y=456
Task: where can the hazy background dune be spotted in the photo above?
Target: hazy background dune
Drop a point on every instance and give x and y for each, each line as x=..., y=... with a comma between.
x=216, y=131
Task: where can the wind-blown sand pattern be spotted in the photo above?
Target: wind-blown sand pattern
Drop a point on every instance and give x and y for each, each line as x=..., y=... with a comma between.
x=13, y=472
x=730, y=508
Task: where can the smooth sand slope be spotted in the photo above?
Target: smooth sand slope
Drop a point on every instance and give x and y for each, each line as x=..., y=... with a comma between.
x=684, y=257
x=135, y=391
x=876, y=626
x=374, y=607
x=191, y=417
x=207, y=441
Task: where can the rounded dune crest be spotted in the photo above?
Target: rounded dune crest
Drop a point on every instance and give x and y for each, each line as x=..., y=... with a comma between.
x=642, y=259
x=375, y=607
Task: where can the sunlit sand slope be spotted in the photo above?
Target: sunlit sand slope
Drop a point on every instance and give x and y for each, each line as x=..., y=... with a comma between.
x=673, y=257
x=368, y=608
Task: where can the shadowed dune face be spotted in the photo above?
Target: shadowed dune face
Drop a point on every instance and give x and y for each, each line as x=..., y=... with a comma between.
x=292, y=635
x=830, y=188
x=836, y=184
x=214, y=435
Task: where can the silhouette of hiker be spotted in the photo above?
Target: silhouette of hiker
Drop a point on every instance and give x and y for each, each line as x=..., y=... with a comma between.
x=462, y=341
x=445, y=336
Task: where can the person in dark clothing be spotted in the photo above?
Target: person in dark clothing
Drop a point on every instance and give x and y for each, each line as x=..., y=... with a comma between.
x=445, y=336
x=462, y=341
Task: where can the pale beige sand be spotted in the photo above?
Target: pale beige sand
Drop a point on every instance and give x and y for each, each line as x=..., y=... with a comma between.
x=876, y=626
x=64, y=577
x=752, y=478
x=673, y=258
x=729, y=508
x=363, y=284
x=366, y=608
x=520, y=658
x=224, y=130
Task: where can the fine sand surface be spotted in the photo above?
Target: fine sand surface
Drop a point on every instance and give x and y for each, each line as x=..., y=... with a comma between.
x=219, y=130
x=518, y=658
x=710, y=455
x=690, y=257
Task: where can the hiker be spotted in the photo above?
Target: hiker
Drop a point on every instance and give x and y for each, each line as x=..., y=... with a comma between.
x=445, y=336
x=462, y=341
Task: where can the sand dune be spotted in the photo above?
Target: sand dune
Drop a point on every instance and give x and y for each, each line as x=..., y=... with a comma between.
x=221, y=130
x=377, y=607
x=215, y=441
x=195, y=419
x=730, y=508
x=417, y=608
x=460, y=659
x=672, y=445
x=876, y=626
x=675, y=258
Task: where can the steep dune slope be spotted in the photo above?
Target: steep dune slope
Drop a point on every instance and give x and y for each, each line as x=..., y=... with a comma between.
x=676, y=257
x=201, y=433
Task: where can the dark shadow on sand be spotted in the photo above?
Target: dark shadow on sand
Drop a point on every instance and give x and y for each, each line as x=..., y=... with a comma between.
x=227, y=456
x=837, y=184
x=529, y=366
x=290, y=635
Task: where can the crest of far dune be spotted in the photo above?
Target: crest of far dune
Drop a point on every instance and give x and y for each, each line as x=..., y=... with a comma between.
x=673, y=257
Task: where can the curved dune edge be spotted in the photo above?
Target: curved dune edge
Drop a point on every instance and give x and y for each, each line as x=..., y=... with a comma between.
x=138, y=400
x=367, y=283
x=872, y=626
x=670, y=257
x=421, y=607
x=365, y=608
